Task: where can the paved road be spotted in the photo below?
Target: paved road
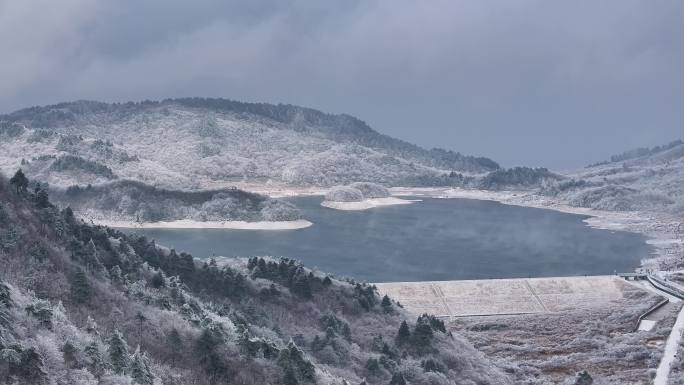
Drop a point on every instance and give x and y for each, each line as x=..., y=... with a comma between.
x=671, y=346
x=663, y=371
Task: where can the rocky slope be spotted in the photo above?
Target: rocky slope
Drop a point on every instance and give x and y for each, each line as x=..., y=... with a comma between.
x=200, y=143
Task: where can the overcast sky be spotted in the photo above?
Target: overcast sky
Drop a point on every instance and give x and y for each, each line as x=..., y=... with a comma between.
x=526, y=82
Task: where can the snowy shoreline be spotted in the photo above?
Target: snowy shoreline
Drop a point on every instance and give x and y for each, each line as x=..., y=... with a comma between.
x=658, y=227
x=367, y=203
x=190, y=224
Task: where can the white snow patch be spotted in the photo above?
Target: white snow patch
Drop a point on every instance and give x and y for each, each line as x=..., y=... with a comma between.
x=190, y=224
x=646, y=325
x=368, y=203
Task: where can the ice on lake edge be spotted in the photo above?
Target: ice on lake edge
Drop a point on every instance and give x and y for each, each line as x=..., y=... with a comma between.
x=367, y=203
x=190, y=224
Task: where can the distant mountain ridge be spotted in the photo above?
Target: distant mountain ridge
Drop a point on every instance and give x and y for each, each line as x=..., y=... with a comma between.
x=645, y=152
x=201, y=142
x=650, y=179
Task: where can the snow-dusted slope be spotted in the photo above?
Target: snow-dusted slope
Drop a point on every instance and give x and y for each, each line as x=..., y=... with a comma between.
x=131, y=201
x=644, y=179
x=200, y=143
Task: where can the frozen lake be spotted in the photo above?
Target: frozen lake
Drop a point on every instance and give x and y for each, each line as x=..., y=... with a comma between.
x=436, y=239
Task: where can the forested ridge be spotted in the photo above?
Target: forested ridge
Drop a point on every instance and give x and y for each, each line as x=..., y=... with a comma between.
x=135, y=201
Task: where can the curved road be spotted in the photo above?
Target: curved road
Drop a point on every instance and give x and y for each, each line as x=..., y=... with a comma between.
x=672, y=344
x=670, y=352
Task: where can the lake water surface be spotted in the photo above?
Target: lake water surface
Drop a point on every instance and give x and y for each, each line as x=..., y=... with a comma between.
x=436, y=239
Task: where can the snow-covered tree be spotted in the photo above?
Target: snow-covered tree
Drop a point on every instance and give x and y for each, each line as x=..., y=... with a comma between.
x=80, y=288
x=95, y=361
x=118, y=353
x=69, y=353
x=19, y=181
x=92, y=260
x=91, y=326
x=140, y=370
x=404, y=333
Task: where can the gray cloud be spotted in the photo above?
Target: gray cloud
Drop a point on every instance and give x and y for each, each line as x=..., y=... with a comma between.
x=526, y=82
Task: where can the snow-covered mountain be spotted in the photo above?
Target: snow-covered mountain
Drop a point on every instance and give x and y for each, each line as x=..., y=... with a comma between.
x=202, y=143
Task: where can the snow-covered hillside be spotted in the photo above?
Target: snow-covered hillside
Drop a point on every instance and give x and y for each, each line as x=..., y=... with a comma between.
x=124, y=200
x=642, y=179
x=202, y=143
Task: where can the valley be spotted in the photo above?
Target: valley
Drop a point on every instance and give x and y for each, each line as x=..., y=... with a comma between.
x=341, y=193
x=332, y=188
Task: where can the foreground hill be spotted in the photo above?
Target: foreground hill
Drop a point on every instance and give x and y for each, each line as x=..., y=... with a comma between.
x=199, y=143
x=84, y=305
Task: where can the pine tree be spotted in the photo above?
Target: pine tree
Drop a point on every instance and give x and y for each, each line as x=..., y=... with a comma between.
x=158, y=280
x=42, y=311
x=91, y=326
x=9, y=239
x=290, y=377
x=140, y=317
x=583, y=378
x=116, y=274
x=95, y=361
x=422, y=334
x=80, y=288
x=302, y=287
x=404, y=334
x=373, y=365
x=92, y=261
x=386, y=304
x=32, y=366
x=38, y=251
x=118, y=353
x=19, y=181
x=69, y=352
x=397, y=379
x=292, y=359
x=317, y=344
x=205, y=351
x=140, y=370
x=4, y=217
x=431, y=365
x=41, y=196
x=5, y=321
x=5, y=299
x=175, y=344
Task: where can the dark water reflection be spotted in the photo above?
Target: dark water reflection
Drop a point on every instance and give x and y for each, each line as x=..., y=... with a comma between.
x=437, y=239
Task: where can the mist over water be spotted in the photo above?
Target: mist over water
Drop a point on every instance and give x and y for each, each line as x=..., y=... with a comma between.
x=436, y=239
